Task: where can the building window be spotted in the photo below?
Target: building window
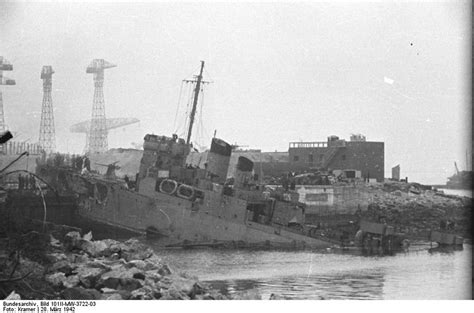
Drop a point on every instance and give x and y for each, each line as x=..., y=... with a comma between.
x=321, y=157
x=350, y=174
x=296, y=158
x=343, y=157
x=310, y=158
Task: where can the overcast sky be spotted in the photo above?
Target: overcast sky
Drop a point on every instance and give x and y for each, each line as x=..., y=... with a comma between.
x=397, y=72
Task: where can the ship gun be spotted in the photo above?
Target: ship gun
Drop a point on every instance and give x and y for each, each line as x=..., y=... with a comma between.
x=110, y=169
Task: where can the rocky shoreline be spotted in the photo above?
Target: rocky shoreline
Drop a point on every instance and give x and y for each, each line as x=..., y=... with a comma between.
x=414, y=209
x=79, y=268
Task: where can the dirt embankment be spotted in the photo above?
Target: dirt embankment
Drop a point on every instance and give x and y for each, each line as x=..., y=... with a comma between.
x=36, y=265
x=415, y=208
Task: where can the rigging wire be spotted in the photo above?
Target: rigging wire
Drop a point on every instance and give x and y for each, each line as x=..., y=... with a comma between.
x=182, y=130
x=198, y=134
x=177, y=107
x=192, y=74
x=202, y=131
x=187, y=119
x=210, y=80
x=176, y=126
x=206, y=131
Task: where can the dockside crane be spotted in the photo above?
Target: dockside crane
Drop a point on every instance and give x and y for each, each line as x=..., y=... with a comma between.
x=98, y=129
x=5, y=65
x=47, y=133
x=111, y=123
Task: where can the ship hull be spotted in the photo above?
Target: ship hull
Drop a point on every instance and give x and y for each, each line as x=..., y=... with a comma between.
x=180, y=220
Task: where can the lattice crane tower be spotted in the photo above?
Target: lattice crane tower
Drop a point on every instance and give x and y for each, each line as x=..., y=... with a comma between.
x=47, y=134
x=4, y=66
x=98, y=130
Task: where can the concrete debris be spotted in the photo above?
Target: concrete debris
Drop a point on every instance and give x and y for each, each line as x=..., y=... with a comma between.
x=212, y=295
x=164, y=270
x=88, y=236
x=129, y=284
x=153, y=275
x=71, y=240
x=183, y=285
x=94, y=248
x=112, y=278
x=106, y=290
x=115, y=256
x=79, y=268
x=80, y=293
x=173, y=294
x=71, y=281
x=112, y=245
x=416, y=209
x=56, y=257
x=143, y=293
x=113, y=296
x=13, y=296
x=276, y=297
x=133, y=249
x=62, y=266
x=99, y=264
x=88, y=276
x=54, y=242
x=56, y=279
x=140, y=264
x=247, y=295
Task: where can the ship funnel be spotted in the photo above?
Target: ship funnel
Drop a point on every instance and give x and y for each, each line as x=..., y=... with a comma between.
x=243, y=172
x=218, y=160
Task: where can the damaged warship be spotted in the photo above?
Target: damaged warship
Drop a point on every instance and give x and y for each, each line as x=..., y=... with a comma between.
x=191, y=206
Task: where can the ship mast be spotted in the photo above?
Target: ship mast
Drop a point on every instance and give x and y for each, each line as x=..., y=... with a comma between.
x=196, y=97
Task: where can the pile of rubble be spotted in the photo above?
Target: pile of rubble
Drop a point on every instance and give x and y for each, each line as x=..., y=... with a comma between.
x=414, y=208
x=80, y=268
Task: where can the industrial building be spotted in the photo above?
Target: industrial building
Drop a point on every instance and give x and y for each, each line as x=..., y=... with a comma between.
x=357, y=158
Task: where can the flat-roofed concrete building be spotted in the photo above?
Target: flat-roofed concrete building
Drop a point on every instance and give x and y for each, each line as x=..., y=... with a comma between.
x=396, y=172
x=358, y=156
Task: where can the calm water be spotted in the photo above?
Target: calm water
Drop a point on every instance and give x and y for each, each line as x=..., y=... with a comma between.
x=309, y=275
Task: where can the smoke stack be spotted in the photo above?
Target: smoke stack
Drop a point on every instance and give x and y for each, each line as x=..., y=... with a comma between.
x=218, y=160
x=243, y=173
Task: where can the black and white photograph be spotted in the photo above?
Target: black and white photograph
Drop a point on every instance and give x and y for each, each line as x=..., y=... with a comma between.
x=224, y=150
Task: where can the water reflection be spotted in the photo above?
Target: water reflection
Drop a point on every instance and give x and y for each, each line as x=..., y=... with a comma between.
x=414, y=274
x=315, y=287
